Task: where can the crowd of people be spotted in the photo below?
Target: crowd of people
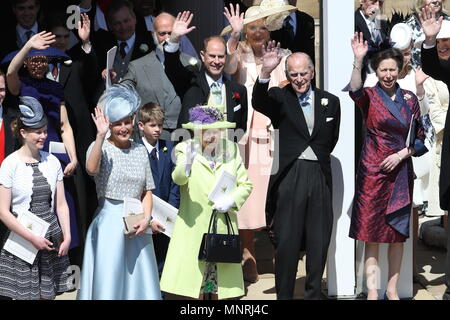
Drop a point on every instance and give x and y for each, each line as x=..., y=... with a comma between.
x=81, y=133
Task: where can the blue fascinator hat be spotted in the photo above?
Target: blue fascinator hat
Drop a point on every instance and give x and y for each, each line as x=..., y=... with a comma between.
x=31, y=113
x=119, y=101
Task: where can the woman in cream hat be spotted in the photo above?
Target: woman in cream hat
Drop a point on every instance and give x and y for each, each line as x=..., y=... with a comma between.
x=244, y=63
x=199, y=162
x=117, y=267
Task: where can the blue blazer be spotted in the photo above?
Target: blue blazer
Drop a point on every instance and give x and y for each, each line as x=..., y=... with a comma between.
x=165, y=188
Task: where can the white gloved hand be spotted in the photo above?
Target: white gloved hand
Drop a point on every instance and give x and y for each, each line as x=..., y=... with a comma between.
x=191, y=152
x=224, y=204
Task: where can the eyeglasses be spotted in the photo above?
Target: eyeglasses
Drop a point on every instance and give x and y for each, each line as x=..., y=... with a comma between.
x=163, y=33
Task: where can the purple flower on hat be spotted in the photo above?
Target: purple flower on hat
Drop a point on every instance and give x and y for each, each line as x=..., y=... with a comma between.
x=205, y=115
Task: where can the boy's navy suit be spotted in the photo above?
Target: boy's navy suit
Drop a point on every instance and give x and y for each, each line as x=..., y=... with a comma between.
x=166, y=190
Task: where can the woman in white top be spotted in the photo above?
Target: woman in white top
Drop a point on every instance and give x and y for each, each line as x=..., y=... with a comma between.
x=31, y=181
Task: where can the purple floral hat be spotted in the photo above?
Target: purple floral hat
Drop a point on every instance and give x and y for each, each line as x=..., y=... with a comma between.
x=204, y=117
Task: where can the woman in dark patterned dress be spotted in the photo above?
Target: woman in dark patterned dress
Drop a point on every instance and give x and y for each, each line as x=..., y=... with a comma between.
x=384, y=185
x=35, y=56
x=31, y=181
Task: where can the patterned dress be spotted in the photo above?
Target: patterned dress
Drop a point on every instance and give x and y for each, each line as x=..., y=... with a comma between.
x=34, y=190
x=383, y=200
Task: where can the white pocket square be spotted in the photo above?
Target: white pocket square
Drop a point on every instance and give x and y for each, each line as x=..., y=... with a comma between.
x=237, y=108
x=329, y=119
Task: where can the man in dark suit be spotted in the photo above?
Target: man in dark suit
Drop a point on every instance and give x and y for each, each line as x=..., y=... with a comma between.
x=375, y=31
x=78, y=78
x=299, y=195
x=132, y=43
x=435, y=68
x=165, y=84
x=15, y=36
x=212, y=88
x=297, y=33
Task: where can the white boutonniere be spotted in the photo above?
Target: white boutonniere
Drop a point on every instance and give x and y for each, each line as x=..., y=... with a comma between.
x=143, y=47
x=192, y=61
x=68, y=62
x=164, y=149
x=407, y=96
x=324, y=102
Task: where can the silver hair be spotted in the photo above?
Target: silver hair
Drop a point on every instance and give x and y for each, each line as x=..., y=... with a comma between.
x=308, y=58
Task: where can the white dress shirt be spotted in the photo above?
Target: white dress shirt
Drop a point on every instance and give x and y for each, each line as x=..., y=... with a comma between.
x=149, y=147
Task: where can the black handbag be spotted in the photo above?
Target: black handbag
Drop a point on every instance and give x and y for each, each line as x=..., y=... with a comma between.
x=216, y=247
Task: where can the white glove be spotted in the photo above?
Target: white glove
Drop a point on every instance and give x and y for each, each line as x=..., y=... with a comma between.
x=191, y=152
x=224, y=204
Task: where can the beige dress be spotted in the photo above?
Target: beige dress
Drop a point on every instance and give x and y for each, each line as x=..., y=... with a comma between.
x=438, y=97
x=258, y=144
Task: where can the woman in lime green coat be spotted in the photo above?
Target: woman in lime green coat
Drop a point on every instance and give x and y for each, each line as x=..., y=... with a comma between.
x=199, y=163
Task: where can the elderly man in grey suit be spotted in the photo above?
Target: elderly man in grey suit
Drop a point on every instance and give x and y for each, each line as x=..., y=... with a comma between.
x=165, y=83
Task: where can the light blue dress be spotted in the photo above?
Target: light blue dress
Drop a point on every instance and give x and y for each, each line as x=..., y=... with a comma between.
x=116, y=267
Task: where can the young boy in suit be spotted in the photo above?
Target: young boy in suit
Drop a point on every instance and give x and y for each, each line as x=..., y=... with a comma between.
x=150, y=122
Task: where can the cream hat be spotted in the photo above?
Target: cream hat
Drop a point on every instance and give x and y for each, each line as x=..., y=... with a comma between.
x=445, y=30
x=276, y=10
x=401, y=36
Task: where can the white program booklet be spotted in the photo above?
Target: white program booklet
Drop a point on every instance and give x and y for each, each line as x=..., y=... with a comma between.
x=110, y=56
x=18, y=246
x=56, y=147
x=162, y=212
x=165, y=214
x=225, y=185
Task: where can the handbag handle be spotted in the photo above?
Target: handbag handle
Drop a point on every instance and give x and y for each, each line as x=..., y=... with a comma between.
x=213, y=223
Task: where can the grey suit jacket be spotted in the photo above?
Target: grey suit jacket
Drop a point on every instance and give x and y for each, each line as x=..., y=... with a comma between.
x=149, y=78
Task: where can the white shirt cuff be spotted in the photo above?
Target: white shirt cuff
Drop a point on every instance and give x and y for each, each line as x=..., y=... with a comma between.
x=425, y=46
x=171, y=47
x=87, y=51
x=263, y=80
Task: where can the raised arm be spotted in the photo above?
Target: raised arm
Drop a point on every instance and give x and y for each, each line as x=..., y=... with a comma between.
x=429, y=56
x=262, y=100
x=41, y=40
x=181, y=26
x=360, y=48
x=95, y=156
x=84, y=32
x=236, y=21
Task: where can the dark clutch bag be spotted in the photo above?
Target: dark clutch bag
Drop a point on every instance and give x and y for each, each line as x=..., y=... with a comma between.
x=223, y=248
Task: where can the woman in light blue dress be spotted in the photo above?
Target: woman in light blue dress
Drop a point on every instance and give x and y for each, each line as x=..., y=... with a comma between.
x=115, y=266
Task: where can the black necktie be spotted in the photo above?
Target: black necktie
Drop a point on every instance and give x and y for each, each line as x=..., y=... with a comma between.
x=289, y=28
x=154, y=164
x=122, y=49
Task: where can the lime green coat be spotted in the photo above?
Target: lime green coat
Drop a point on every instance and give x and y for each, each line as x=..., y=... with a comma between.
x=183, y=272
